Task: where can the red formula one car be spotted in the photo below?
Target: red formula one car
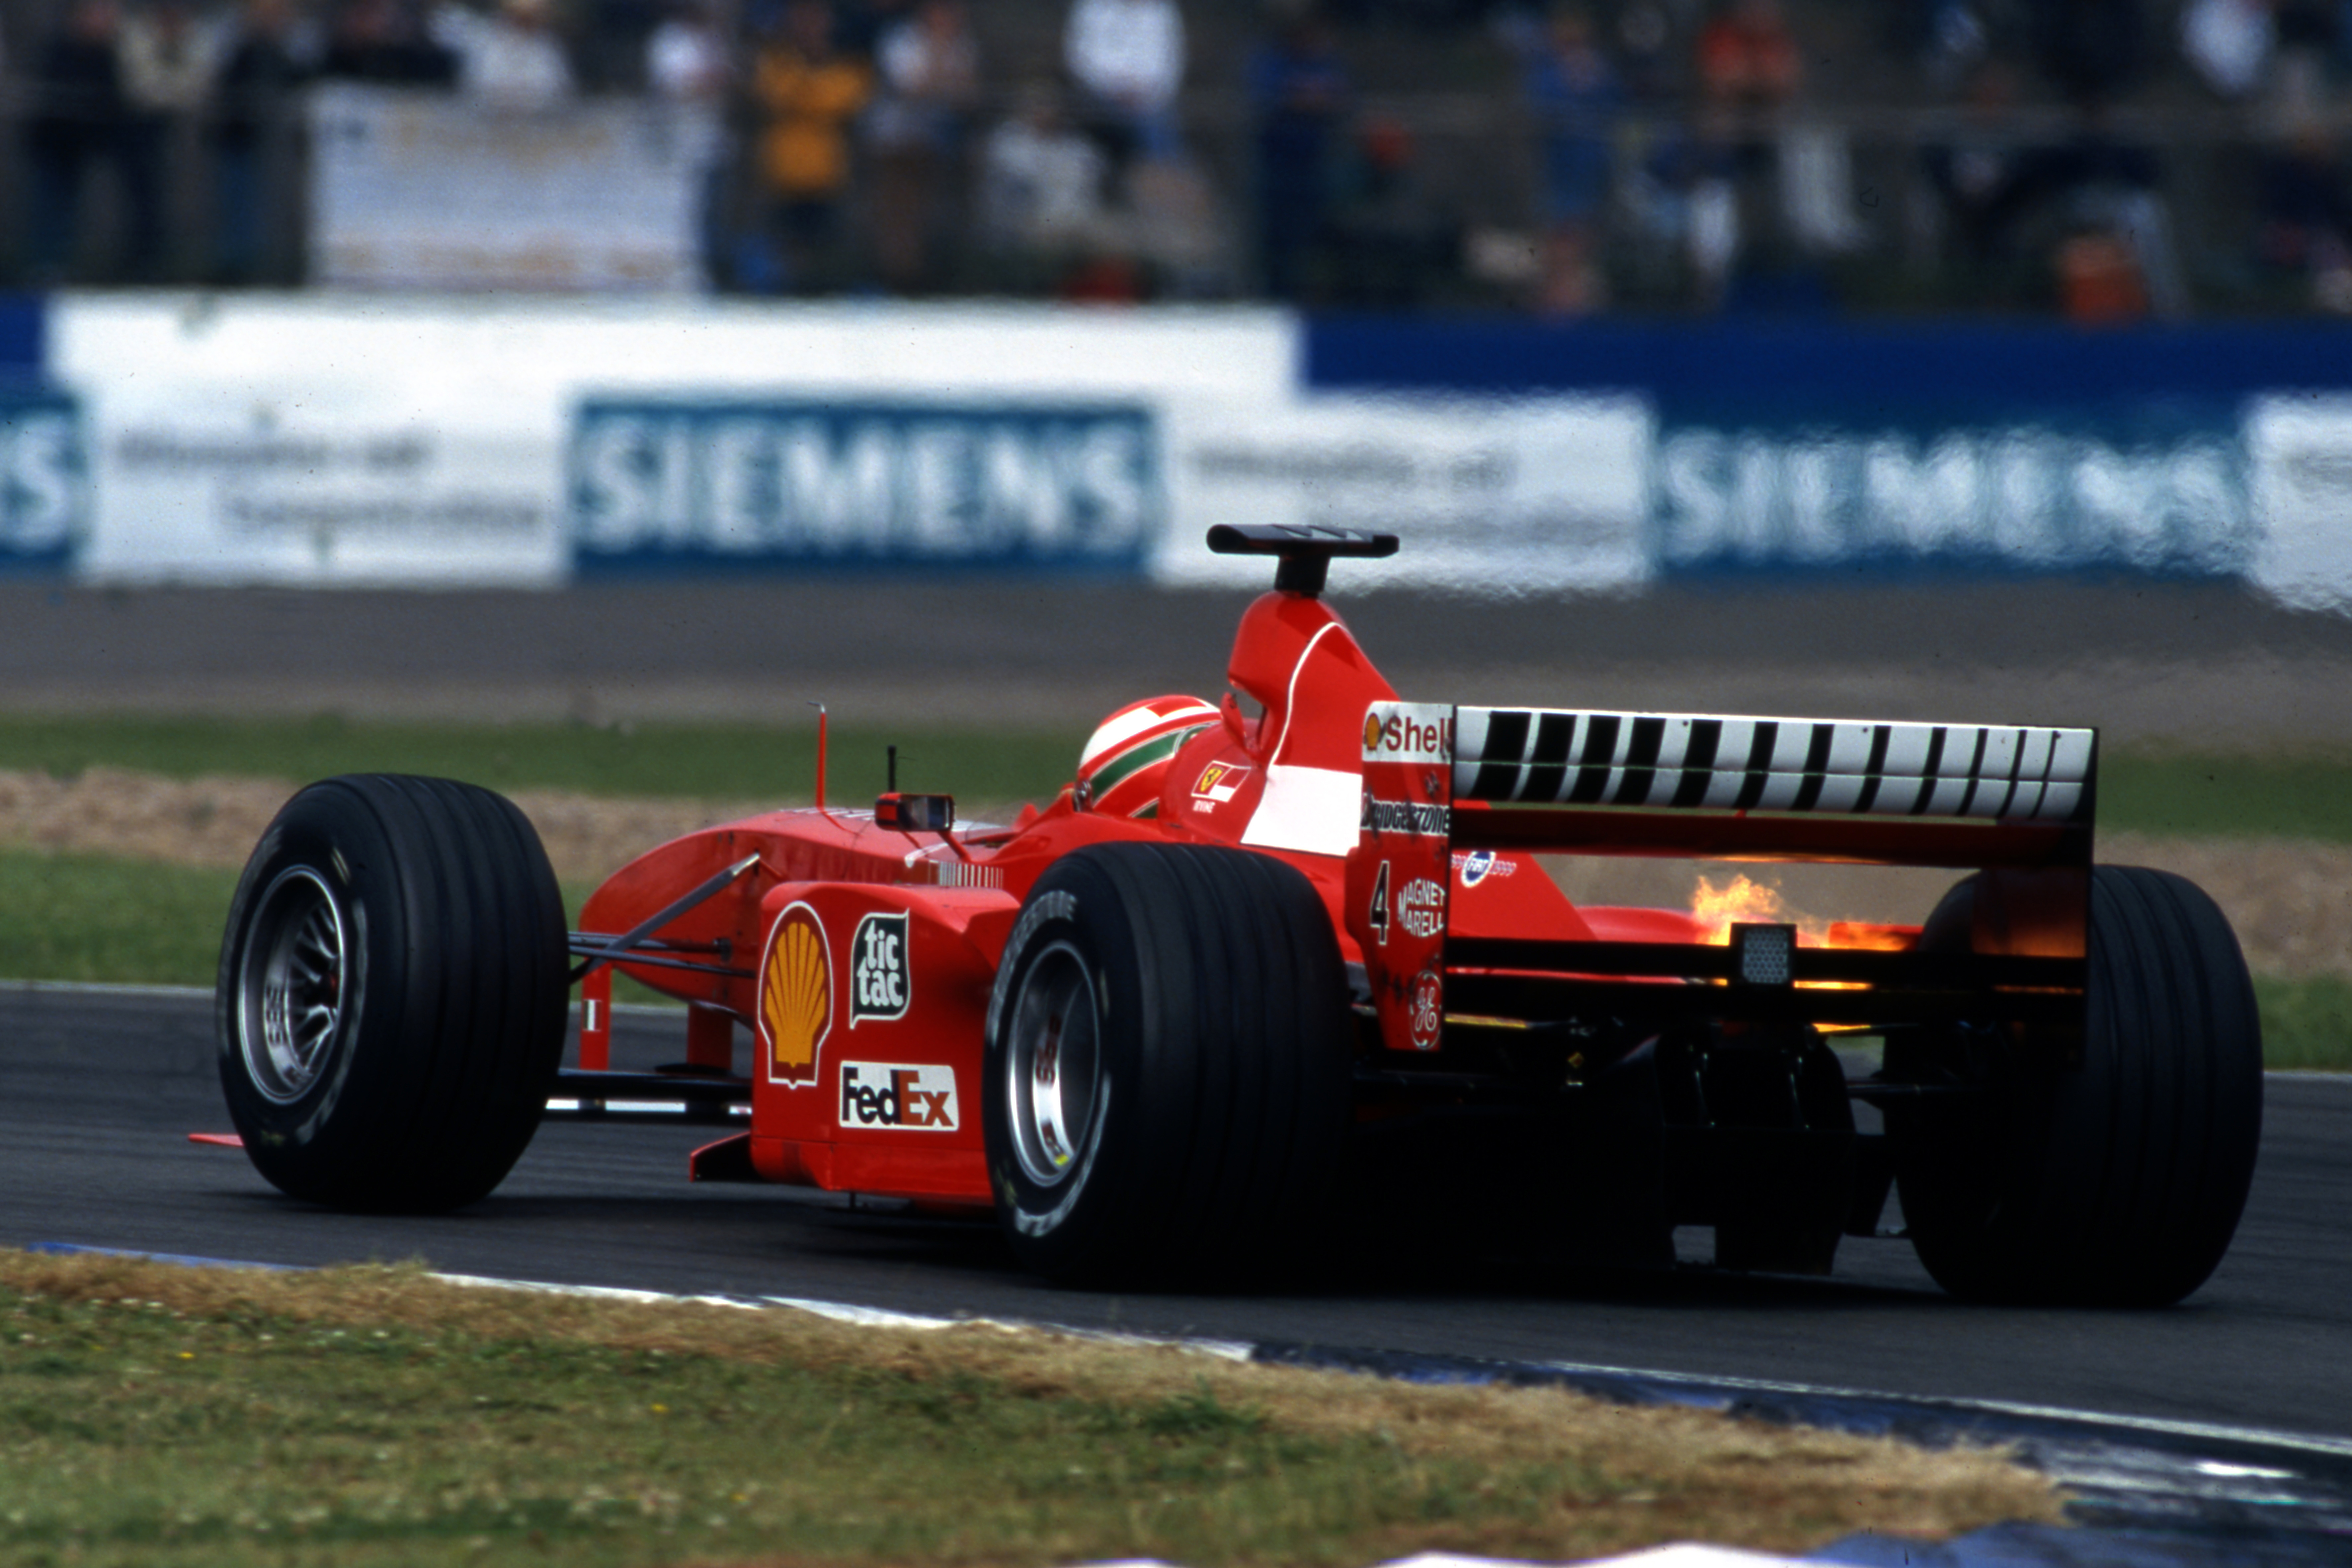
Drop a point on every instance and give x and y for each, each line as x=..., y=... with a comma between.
x=1250, y=972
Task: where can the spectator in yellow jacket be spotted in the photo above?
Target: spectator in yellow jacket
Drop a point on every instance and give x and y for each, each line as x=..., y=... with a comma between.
x=809, y=96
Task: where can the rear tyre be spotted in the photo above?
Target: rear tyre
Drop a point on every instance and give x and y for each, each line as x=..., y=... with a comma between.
x=1168, y=1067
x=393, y=990
x=2119, y=1180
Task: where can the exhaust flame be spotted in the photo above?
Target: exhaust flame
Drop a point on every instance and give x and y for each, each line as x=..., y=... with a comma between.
x=1745, y=901
x=1742, y=901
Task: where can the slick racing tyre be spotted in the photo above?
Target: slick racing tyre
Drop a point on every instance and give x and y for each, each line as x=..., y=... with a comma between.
x=393, y=990
x=1168, y=1068
x=2117, y=1180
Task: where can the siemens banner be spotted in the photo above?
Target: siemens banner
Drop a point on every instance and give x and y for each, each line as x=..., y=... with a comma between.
x=44, y=481
x=2021, y=498
x=1799, y=448
x=408, y=439
x=792, y=482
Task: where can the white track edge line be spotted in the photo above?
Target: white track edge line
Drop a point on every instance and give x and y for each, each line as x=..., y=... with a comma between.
x=1238, y=1350
x=864, y=1317
x=2336, y=1448
x=103, y=988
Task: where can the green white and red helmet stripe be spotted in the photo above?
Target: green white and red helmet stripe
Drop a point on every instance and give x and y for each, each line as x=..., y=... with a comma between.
x=1124, y=760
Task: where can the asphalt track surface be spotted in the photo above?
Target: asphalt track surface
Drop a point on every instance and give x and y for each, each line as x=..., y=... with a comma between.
x=2206, y=665
x=98, y=1089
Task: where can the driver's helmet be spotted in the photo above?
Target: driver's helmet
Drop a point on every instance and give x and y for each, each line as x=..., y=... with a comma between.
x=1126, y=758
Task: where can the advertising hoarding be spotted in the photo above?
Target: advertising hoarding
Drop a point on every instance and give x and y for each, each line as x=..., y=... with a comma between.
x=1495, y=496
x=437, y=440
x=412, y=188
x=797, y=483
x=2023, y=498
x=45, y=498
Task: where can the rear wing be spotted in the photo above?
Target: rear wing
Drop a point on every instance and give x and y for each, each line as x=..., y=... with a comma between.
x=2014, y=802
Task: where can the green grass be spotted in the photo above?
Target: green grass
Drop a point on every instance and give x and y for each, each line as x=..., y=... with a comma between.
x=695, y=761
x=2197, y=797
x=86, y=917
x=152, y=1415
x=141, y=1436
x=2306, y=1024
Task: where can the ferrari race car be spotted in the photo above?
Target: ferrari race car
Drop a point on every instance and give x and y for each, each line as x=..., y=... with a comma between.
x=1252, y=972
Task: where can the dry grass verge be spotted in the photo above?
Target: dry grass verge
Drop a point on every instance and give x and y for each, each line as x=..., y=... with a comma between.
x=214, y=821
x=164, y=1414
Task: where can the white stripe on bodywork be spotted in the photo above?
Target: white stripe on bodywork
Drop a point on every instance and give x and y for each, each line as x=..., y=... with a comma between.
x=1318, y=811
x=1290, y=703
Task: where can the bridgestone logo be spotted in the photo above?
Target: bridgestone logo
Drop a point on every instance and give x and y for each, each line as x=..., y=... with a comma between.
x=1406, y=816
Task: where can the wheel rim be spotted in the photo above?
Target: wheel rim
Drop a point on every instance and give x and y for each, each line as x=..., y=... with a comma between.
x=1053, y=1070
x=293, y=986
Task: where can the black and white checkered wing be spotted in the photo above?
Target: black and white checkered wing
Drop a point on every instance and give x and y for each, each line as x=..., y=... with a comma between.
x=1688, y=760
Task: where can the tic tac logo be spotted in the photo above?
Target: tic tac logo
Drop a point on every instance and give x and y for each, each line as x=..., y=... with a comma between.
x=904, y=1099
x=1408, y=733
x=795, y=995
x=880, y=980
x=1217, y=784
x=1421, y=907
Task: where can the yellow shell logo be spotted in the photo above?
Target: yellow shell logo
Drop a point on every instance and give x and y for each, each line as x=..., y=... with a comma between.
x=795, y=995
x=1372, y=730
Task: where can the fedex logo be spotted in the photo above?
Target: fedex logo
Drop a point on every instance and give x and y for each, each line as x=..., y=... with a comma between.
x=1409, y=732
x=904, y=1099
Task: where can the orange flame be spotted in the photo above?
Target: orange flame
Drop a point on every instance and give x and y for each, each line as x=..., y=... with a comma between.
x=1740, y=900
x=1745, y=902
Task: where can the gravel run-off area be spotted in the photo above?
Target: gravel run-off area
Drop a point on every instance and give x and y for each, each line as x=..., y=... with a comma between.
x=2290, y=899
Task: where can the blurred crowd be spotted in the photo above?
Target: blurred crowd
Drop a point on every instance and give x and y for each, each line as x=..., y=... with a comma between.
x=2101, y=159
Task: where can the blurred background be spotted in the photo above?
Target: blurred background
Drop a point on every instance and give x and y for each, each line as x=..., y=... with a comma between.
x=2096, y=160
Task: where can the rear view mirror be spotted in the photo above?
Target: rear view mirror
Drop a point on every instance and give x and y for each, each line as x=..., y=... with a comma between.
x=914, y=813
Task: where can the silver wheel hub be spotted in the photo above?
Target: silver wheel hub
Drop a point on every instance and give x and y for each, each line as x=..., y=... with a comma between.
x=1054, y=1068
x=292, y=984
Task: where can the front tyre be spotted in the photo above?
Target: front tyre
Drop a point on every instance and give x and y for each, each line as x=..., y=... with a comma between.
x=2117, y=1179
x=1166, y=1084
x=391, y=1005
